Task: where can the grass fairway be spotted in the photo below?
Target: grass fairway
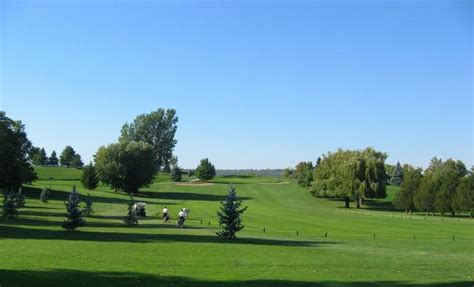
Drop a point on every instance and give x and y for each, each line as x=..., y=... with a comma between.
x=36, y=251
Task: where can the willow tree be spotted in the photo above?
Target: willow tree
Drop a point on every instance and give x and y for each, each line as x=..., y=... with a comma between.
x=351, y=175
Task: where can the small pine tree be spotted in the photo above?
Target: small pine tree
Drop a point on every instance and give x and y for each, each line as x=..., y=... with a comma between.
x=131, y=218
x=53, y=159
x=44, y=194
x=229, y=215
x=176, y=174
x=89, y=177
x=10, y=210
x=88, y=210
x=73, y=214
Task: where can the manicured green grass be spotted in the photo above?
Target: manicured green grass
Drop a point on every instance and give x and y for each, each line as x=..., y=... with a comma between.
x=35, y=251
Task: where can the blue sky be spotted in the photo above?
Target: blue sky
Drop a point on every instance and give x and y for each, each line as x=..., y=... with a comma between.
x=260, y=84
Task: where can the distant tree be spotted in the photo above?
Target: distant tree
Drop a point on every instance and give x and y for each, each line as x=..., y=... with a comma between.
x=10, y=208
x=77, y=161
x=15, y=149
x=463, y=200
x=318, y=162
x=89, y=177
x=288, y=173
x=447, y=178
x=408, y=188
x=190, y=173
x=174, y=160
x=39, y=157
x=125, y=166
x=158, y=129
x=88, y=210
x=44, y=194
x=205, y=170
x=131, y=219
x=67, y=156
x=304, y=173
x=229, y=215
x=53, y=159
x=397, y=175
x=424, y=197
x=176, y=174
x=74, y=218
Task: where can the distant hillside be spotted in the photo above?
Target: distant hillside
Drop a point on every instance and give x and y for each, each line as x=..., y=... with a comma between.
x=259, y=172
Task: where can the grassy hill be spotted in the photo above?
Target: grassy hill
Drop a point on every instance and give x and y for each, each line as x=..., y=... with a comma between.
x=307, y=241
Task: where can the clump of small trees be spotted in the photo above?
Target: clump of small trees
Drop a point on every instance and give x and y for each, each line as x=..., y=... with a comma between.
x=70, y=158
x=176, y=174
x=444, y=187
x=229, y=215
x=205, y=170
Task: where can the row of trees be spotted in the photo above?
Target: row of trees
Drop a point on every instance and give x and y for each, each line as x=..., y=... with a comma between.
x=444, y=187
x=68, y=157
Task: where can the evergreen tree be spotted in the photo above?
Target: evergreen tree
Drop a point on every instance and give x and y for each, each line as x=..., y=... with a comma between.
x=73, y=213
x=89, y=177
x=397, y=176
x=53, y=159
x=44, y=194
x=88, y=210
x=205, y=170
x=67, y=156
x=131, y=218
x=176, y=174
x=425, y=196
x=39, y=157
x=77, y=161
x=10, y=210
x=229, y=215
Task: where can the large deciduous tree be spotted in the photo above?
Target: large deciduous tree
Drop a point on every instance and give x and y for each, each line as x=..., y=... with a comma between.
x=158, y=129
x=405, y=198
x=350, y=175
x=15, y=148
x=126, y=166
x=89, y=177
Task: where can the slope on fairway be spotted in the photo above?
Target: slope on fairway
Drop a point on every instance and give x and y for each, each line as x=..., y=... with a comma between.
x=307, y=241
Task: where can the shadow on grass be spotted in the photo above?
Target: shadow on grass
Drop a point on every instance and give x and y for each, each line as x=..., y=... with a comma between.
x=72, y=278
x=12, y=232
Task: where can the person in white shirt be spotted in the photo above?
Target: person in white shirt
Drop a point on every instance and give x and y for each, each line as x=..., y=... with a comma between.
x=182, y=217
x=166, y=216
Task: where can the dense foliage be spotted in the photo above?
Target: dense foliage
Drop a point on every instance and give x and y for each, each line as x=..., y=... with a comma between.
x=158, y=129
x=445, y=187
x=53, y=159
x=350, y=174
x=229, y=215
x=70, y=158
x=205, y=170
x=89, y=177
x=125, y=166
x=15, y=167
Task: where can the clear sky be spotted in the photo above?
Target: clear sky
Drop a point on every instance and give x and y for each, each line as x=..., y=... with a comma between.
x=260, y=84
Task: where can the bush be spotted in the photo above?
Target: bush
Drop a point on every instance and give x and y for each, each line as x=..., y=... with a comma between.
x=176, y=174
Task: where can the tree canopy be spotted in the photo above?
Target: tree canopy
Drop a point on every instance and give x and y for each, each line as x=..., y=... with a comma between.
x=158, y=129
x=15, y=167
x=351, y=174
x=126, y=165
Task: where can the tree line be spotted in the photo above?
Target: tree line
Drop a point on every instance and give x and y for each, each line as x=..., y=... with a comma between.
x=356, y=175
x=68, y=158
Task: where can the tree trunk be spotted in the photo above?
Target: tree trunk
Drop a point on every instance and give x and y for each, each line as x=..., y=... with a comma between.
x=346, y=202
x=358, y=202
x=452, y=213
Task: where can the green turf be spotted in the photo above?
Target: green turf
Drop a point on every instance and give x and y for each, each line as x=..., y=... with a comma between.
x=35, y=251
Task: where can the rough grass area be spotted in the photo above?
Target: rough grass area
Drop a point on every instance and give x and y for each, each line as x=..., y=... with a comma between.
x=307, y=241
